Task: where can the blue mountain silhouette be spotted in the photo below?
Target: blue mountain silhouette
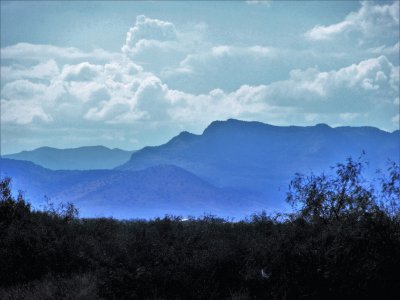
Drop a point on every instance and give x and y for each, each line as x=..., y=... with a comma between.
x=260, y=157
x=233, y=168
x=83, y=158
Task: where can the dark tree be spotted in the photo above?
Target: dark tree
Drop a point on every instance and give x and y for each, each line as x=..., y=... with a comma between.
x=327, y=197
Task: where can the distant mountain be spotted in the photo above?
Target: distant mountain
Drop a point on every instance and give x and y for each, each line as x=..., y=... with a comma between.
x=263, y=158
x=84, y=158
x=234, y=168
x=151, y=192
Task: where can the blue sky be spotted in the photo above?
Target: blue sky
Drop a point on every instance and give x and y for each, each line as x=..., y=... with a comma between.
x=131, y=74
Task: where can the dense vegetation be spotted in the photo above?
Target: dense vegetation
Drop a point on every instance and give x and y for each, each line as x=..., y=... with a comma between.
x=343, y=242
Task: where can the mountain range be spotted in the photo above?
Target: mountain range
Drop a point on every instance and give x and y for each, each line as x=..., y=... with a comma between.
x=151, y=192
x=232, y=169
x=263, y=158
x=83, y=158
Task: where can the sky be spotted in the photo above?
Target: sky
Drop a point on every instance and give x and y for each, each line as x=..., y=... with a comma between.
x=134, y=74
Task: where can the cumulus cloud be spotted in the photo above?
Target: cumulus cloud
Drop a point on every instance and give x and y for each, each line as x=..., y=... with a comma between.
x=157, y=44
x=81, y=72
x=153, y=43
x=309, y=87
x=370, y=20
x=142, y=99
x=123, y=93
x=147, y=29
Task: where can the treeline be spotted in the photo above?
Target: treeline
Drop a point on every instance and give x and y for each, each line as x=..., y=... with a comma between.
x=343, y=242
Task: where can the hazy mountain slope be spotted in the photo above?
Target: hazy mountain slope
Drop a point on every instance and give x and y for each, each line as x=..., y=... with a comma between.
x=261, y=157
x=38, y=182
x=233, y=169
x=124, y=194
x=84, y=158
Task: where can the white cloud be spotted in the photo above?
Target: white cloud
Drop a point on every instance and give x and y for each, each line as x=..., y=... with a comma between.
x=22, y=89
x=153, y=43
x=80, y=72
x=370, y=20
x=370, y=74
x=45, y=70
x=66, y=89
x=27, y=51
x=22, y=113
x=226, y=67
x=157, y=45
x=147, y=29
x=387, y=50
x=123, y=93
x=233, y=52
x=143, y=99
x=87, y=91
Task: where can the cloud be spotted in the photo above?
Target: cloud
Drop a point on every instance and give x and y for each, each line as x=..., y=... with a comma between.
x=308, y=88
x=15, y=113
x=81, y=72
x=140, y=100
x=37, y=52
x=370, y=20
x=375, y=74
x=22, y=89
x=152, y=43
x=156, y=44
x=141, y=94
x=387, y=50
x=147, y=29
x=123, y=93
x=345, y=93
x=42, y=71
x=226, y=67
x=228, y=56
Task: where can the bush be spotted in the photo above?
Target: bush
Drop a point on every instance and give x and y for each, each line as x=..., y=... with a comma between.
x=339, y=244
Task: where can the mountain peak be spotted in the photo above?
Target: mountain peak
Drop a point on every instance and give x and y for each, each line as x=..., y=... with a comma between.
x=184, y=136
x=233, y=124
x=323, y=125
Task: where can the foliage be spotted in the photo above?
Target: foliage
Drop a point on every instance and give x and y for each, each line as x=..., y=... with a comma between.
x=338, y=245
x=329, y=197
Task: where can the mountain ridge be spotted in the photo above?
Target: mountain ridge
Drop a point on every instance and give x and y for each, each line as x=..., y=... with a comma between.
x=81, y=158
x=155, y=191
x=233, y=168
x=245, y=154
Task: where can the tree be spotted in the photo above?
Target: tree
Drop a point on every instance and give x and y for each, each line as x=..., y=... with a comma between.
x=331, y=197
x=10, y=208
x=391, y=189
